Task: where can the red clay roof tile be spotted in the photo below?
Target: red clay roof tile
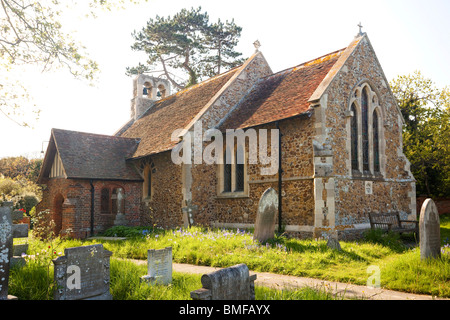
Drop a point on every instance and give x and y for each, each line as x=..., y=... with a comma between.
x=282, y=95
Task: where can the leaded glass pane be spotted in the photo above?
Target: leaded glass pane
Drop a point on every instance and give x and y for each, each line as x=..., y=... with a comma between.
x=376, y=151
x=365, y=129
x=354, y=139
x=227, y=172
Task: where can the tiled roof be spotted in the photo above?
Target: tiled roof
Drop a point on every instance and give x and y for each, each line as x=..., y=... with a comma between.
x=281, y=95
x=94, y=156
x=156, y=126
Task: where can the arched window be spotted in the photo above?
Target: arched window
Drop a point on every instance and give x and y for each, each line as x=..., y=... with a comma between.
x=365, y=133
x=365, y=129
x=148, y=170
x=161, y=92
x=375, y=144
x=354, y=138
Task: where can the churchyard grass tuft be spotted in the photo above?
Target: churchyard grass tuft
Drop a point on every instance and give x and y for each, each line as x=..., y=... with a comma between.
x=400, y=264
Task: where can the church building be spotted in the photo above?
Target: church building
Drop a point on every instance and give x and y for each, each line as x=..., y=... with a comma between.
x=334, y=122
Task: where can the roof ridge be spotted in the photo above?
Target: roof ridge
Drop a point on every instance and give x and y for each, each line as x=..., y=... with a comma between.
x=93, y=134
x=200, y=83
x=307, y=63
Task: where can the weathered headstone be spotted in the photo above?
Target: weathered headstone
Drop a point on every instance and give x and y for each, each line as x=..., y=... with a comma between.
x=233, y=283
x=20, y=230
x=83, y=274
x=6, y=244
x=159, y=264
x=266, y=216
x=429, y=231
x=333, y=243
x=9, y=231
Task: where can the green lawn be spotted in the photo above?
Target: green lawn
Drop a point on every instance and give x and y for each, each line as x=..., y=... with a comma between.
x=401, y=267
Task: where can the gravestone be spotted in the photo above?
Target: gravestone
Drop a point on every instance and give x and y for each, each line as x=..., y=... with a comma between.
x=266, y=216
x=83, y=273
x=429, y=231
x=19, y=231
x=333, y=243
x=159, y=264
x=6, y=244
x=8, y=231
x=233, y=283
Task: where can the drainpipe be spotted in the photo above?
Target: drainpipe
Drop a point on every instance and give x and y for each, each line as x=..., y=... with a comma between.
x=280, y=171
x=92, y=206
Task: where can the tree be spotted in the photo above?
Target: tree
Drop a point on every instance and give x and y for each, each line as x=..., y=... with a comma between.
x=187, y=42
x=221, y=38
x=20, y=168
x=426, y=134
x=31, y=33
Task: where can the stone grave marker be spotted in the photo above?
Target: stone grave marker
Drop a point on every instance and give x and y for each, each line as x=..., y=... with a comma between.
x=8, y=231
x=429, y=231
x=333, y=243
x=266, y=216
x=6, y=244
x=83, y=273
x=159, y=264
x=233, y=283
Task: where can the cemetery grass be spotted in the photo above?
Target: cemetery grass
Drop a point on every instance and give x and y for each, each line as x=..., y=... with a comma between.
x=400, y=265
x=34, y=282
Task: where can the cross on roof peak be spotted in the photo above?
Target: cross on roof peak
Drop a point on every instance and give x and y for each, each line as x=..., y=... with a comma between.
x=360, y=29
x=257, y=44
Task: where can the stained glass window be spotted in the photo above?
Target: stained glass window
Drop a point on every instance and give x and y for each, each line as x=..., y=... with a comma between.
x=354, y=139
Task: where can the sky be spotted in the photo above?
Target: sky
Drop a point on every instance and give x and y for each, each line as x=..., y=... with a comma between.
x=407, y=35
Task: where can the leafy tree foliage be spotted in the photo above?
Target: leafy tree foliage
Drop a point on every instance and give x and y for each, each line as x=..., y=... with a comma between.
x=189, y=42
x=426, y=134
x=31, y=33
x=18, y=177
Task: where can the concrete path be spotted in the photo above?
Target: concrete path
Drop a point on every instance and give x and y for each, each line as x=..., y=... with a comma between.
x=340, y=289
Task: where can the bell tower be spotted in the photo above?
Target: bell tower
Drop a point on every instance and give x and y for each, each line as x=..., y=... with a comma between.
x=146, y=91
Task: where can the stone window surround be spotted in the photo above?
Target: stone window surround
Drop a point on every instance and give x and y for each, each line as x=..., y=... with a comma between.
x=146, y=168
x=220, y=178
x=374, y=106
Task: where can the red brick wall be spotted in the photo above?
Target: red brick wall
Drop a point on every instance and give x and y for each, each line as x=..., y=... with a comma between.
x=76, y=209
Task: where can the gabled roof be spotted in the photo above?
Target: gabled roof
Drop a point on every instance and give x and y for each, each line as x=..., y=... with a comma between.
x=155, y=127
x=281, y=95
x=91, y=156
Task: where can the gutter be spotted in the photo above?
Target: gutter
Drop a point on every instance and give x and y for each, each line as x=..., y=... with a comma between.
x=92, y=206
x=280, y=179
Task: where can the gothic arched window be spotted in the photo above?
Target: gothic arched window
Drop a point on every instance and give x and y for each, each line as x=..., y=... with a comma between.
x=366, y=145
x=375, y=144
x=354, y=138
x=365, y=129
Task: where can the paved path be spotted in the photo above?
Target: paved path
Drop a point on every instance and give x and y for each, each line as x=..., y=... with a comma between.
x=340, y=289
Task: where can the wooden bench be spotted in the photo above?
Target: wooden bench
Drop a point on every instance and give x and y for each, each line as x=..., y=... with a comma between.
x=391, y=222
